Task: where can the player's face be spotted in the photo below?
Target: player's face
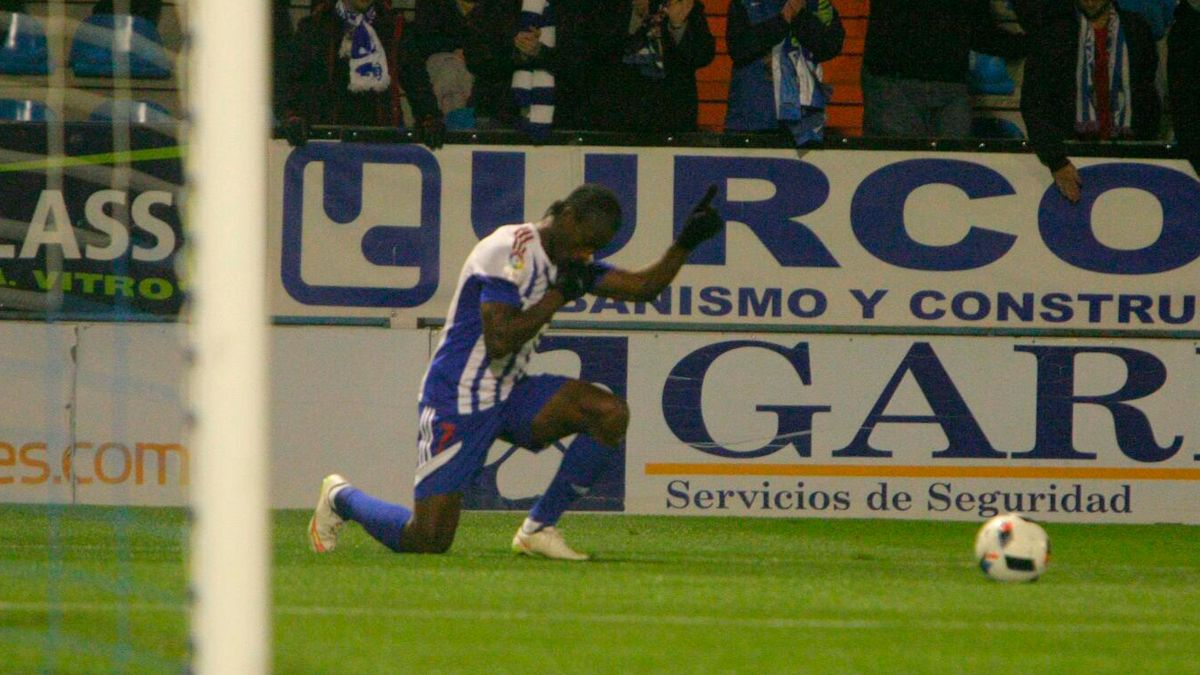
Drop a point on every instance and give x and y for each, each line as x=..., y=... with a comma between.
x=583, y=239
x=360, y=5
x=1093, y=8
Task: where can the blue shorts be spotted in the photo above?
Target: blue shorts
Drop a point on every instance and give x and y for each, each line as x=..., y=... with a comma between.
x=452, y=448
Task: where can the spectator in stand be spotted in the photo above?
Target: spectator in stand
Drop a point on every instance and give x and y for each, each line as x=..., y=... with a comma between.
x=149, y=10
x=342, y=68
x=1089, y=76
x=667, y=42
x=916, y=64
x=1183, y=78
x=621, y=67
x=585, y=30
x=777, y=47
x=469, y=50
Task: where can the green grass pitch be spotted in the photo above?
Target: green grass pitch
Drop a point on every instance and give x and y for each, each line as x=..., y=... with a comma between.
x=88, y=589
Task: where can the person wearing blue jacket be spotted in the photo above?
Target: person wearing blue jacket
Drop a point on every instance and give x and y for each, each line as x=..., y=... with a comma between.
x=777, y=47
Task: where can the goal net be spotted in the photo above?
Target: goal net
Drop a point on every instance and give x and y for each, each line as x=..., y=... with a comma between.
x=132, y=335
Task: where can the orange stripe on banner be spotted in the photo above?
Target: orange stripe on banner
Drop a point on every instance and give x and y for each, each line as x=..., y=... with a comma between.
x=857, y=471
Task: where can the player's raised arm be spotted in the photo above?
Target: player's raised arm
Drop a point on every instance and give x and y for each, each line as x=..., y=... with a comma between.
x=646, y=284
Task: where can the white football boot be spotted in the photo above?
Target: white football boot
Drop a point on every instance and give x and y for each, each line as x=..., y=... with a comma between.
x=547, y=542
x=325, y=523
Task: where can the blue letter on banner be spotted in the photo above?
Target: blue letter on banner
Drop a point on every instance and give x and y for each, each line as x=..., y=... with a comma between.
x=618, y=173
x=950, y=411
x=497, y=190
x=385, y=245
x=1056, y=401
x=877, y=215
x=800, y=188
x=683, y=413
x=1067, y=228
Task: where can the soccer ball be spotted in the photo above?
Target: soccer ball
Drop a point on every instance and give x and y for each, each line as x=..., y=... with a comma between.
x=1011, y=548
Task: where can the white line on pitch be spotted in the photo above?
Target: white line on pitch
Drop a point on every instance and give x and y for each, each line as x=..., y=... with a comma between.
x=627, y=619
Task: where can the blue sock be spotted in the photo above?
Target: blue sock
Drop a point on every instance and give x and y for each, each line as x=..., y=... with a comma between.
x=382, y=520
x=582, y=464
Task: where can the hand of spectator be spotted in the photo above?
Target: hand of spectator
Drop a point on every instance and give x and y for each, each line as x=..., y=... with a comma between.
x=431, y=131
x=460, y=55
x=528, y=42
x=641, y=8
x=791, y=8
x=295, y=130
x=679, y=10
x=1068, y=182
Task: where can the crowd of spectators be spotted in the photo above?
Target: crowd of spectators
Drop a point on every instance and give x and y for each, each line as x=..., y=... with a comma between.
x=1089, y=67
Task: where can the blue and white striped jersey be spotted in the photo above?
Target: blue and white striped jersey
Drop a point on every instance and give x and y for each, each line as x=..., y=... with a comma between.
x=508, y=266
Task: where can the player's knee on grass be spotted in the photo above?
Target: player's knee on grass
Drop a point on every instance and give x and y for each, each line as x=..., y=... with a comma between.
x=434, y=522
x=427, y=538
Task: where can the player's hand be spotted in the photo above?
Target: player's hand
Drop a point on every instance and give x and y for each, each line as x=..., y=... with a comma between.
x=575, y=279
x=1068, y=182
x=431, y=131
x=702, y=224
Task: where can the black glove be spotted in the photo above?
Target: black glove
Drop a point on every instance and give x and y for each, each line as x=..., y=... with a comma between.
x=575, y=279
x=431, y=130
x=702, y=224
x=295, y=130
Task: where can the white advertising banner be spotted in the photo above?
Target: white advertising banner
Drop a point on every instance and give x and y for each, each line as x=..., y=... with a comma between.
x=746, y=424
x=99, y=418
x=903, y=427
x=100, y=415
x=871, y=240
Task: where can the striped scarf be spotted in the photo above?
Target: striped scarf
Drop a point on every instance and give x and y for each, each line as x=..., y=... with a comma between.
x=1120, y=102
x=362, y=48
x=533, y=88
x=800, y=94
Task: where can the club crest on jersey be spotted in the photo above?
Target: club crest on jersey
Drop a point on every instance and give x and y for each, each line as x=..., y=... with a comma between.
x=516, y=257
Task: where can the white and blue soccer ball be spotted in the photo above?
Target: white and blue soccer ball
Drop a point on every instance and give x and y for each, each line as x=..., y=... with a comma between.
x=1011, y=548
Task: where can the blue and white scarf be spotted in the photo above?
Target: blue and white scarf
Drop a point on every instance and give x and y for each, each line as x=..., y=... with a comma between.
x=361, y=46
x=800, y=93
x=1087, y=120
x=646, y=52
x=533, y=88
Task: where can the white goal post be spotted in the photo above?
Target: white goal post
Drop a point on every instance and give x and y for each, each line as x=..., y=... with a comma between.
x=228, y=92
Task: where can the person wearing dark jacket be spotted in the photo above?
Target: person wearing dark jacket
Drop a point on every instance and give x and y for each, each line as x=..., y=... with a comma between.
x=630, y=65
x=1075, y=88
x=1183, y=78
x=342, y=68
x=667, y=43
x=482, y=34
x=916, y=62
x=760, y=34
